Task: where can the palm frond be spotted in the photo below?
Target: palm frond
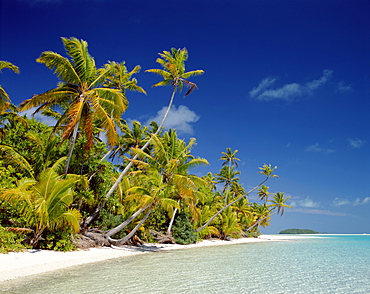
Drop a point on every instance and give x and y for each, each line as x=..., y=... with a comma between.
x=12, y=157
x=107, y=123
x=48, y=99
x=82, y=61
x=165, y=74
x=61, y=66
x=4, y=100
x=112, y=100
x=73, y=116
x=192, y=73
x=163, y=83
x=8, y=65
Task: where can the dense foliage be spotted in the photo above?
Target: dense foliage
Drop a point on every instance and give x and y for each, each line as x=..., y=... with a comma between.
x=298, y=231
x=63, y=182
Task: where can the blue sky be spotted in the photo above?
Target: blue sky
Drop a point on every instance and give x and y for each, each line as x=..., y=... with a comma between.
x=286, y=83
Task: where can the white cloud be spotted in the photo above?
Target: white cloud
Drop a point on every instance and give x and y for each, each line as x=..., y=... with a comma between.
x=346, y=202
x=306, y=202
x=326, y=75
x=364, y=201
x=319, y=211
x=317, y=148
x=340, y=202
x=264, y=84
x=284, y=93
x=289, y=91
x=178, y=118
x=38, y=116
x=342, y=88
x=356, y=143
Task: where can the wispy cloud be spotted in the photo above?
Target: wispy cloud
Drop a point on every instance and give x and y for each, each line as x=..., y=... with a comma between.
x=356, y=143
x=320, y=211
x=306, y=202
x=318, y=148
x=345, y=202
x=178, y=118
x=265, y=92
x=309, y=206
x=342, y=88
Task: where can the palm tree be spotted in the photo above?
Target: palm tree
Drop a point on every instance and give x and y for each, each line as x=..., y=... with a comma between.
x=278, y=203
x=259, y=216
x=173, y=73
x=4, y=97
x=228, y=176
x=132, y=137
x=229, y=158
x=267, y=170
x=86, y=94
x=44, y=202
x=171, y=158
x=153, y=192
x=263, y=193
x=11, y=157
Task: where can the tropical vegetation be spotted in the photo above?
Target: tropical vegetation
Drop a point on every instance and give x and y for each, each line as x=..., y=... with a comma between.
x=62, y=186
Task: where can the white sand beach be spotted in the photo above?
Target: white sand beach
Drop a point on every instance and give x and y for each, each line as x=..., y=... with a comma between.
x=20, y=264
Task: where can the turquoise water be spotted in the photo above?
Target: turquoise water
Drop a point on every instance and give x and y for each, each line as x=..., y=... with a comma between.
x=332, y=264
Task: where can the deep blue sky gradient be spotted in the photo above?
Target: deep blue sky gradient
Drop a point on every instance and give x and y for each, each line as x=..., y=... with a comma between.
x=286, y=83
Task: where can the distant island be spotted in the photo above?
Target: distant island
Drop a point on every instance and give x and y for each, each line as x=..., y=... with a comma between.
x=298, y=231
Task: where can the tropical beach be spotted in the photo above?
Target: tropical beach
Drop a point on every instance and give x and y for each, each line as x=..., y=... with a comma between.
x=202, y=147
x=21, y=264
x=302, y=264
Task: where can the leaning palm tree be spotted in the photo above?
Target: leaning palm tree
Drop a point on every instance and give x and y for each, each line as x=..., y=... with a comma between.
x=154, y=192
x=86, y=94
x=263, y=193
x=174, y=74
x=278, y=203
x=4, y=97
x=171, y=159
x=267, y=170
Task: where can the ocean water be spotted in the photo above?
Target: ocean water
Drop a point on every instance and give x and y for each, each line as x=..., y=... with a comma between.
x=331, y=264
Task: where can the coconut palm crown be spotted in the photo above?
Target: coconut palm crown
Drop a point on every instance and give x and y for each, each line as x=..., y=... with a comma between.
x=86, y=95
x=173, y=72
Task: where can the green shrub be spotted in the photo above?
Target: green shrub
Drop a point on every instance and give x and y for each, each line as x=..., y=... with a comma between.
x=182, y=230
x=10, y=242
x=108, y=221
x=58, y=241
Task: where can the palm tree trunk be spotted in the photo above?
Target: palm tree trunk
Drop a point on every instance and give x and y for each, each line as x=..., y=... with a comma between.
x=73, y=142
x=172, y=221
x=259, y=221
x=106, y=155
x=124, y=172
x=228, y=205
x=126, y=222
x=132, y=233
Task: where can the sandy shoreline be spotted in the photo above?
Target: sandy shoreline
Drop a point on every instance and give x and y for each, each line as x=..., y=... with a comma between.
x=21, y=264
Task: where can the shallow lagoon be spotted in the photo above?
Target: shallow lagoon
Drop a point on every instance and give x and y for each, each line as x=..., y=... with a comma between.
x=332, y=264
